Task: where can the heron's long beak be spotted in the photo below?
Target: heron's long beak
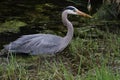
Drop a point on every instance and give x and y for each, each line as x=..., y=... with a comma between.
x=83, y=14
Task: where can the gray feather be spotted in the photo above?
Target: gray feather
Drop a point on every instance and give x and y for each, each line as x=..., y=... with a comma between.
x=35, y=44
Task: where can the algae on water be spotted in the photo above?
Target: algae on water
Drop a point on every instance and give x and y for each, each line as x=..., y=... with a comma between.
x=11, y=26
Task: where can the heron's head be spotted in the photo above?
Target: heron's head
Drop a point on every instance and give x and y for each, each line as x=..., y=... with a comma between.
x=75, y=11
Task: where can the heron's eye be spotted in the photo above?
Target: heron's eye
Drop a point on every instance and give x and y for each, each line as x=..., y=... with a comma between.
x=74, y=10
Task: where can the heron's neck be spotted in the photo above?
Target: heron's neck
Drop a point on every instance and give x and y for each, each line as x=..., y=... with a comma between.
x=69, y=25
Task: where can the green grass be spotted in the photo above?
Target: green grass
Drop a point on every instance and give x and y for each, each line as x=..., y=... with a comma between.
x=102, y=73
x=86, y=58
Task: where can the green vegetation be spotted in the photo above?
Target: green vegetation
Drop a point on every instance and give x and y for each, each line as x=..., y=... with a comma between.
x=110, y=10
x=87, y=58
x=11, y=26
x=93, y=54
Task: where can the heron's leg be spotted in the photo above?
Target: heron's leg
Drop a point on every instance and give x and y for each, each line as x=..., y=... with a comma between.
x=2, y=52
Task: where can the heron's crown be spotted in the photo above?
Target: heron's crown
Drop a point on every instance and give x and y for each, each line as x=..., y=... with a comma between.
x=70, y=8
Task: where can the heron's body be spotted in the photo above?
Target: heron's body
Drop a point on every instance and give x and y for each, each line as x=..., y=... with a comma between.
x=36, y=44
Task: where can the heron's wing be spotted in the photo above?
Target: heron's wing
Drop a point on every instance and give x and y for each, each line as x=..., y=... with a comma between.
x=20, y=41
x=42, y=43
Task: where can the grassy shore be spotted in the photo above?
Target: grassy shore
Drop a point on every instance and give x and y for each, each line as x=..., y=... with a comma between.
x=96, y=56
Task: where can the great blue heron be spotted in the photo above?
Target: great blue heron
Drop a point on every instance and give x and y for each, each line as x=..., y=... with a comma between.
x=36, y=44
